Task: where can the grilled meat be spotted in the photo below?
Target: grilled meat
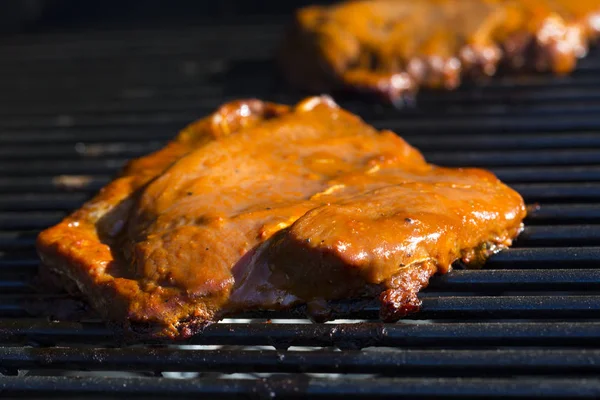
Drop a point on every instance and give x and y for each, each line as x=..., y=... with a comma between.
x=262, y=206
x=393, y=47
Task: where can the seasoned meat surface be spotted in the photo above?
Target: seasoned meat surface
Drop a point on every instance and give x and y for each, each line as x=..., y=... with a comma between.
x=393, y=47
x=263, y=207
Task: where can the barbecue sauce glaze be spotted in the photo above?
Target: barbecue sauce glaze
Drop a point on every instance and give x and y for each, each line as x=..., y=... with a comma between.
x=393, y=47
x=264, y=206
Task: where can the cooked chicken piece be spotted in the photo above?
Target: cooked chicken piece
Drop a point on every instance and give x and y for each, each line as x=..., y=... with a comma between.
x=393, y=47
x=264, y=207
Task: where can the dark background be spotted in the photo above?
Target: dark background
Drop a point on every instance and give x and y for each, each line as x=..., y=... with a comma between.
x=35, y=15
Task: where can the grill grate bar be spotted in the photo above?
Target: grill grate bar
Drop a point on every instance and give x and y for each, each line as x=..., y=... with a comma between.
x=42, y=201
x=545, y=257
x=570, y=192
x=12, y=285
x=16, y=276
x=190, y=92
x=565, y=174
x=492, y=107
x=115, y=106
x=58, y=167
x=510, y=307
x=404, y=362
x=80, y=150
x=564, y=213
x=172, y=121
x=162, y=118
x=29, y=266
x=29, y=220
x=506, y=141
x=65, y=182
x=237, y=49
x=493, y=102
x=17, y=240
x=435, y=307
x=558, y=235
x=510, y=280
x=95, y=134
x=301, y=387
x=405, y=334
x=550, y=123
x=515, y=157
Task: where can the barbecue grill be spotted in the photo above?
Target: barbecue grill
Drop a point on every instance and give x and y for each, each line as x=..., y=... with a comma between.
x=76, y=104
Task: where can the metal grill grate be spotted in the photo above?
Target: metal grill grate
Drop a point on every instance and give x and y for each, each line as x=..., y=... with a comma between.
x=74, y=108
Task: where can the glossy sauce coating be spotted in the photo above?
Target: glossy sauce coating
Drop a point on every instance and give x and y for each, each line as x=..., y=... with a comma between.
x=393, y=47
x=262, y=206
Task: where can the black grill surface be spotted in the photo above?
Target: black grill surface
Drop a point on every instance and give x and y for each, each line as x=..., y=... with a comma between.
x=75, y=107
